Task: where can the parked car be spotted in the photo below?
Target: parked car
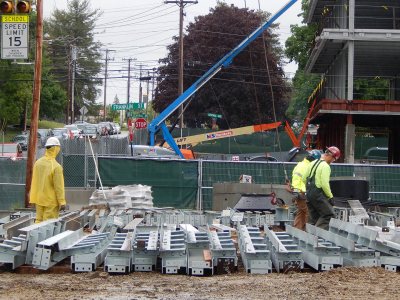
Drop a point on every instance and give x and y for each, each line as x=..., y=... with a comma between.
x=10, y=150
x=89, y=131
x=60, y=133
x=105, y=128
x=118, y=127
x=42, y=135
x=74, y=129
x=22, y=139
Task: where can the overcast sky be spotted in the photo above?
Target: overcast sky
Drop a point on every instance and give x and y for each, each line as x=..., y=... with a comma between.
x=141, y=30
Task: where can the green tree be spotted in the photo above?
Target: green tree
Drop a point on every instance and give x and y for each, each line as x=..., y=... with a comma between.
x=69, y=28
x=16, y=87
x=113, y=115
x=241, y=93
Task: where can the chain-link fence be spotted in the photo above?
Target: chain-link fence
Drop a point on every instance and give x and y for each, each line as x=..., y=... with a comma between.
x=12, y=183
x=184, y=184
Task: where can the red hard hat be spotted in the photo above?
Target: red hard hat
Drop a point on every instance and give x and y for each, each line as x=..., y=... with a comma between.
x=334, y=151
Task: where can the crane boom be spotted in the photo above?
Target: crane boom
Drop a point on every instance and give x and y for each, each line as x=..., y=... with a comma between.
x=216, y=135
x=158, y=123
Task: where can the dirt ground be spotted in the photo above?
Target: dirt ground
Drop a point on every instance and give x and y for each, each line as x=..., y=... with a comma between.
x=341, y=283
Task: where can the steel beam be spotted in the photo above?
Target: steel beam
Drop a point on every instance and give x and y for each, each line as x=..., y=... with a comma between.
x=285, y=253
x=318, y=253
x=253, y=250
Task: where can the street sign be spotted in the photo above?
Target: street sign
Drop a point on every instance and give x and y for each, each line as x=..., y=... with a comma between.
x=14, y=36
x=125, y=106
x=83, y=110
x=140, y=115
x=140, y=123
x=214, y=116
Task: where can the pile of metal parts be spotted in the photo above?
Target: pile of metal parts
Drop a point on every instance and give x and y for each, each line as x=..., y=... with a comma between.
x=194, y=243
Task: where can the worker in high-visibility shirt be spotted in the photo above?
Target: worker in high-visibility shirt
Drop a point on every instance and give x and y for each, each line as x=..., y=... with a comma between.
x=319, y=194
x=299, y=188
x=47, y=187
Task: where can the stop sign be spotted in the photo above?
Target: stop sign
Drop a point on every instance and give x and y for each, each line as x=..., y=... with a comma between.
x=140, y=123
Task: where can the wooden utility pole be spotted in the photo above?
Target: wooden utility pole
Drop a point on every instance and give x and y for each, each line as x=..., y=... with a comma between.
x=181, y=4
x=105, y=84
x=37, y=81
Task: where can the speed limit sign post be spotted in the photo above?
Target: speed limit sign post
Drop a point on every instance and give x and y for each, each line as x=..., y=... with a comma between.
x=14, y=36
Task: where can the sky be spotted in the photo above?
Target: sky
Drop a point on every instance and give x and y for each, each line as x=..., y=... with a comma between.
x=141, y=30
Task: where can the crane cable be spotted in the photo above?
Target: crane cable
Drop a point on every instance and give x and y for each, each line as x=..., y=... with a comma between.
x=272, y=95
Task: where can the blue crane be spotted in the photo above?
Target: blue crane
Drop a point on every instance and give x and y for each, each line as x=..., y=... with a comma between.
x=158, y=123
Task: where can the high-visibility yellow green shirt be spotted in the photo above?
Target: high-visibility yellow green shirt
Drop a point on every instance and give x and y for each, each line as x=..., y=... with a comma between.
x=47, y=187
x=322, y=176
x=299, y=175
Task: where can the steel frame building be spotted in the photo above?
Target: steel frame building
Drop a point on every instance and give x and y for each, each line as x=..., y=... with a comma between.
x=355, y=39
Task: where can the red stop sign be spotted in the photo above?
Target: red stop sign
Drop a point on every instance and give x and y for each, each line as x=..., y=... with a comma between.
x=140, y=123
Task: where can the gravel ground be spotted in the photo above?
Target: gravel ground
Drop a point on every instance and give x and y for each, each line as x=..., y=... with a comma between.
x=341, y=283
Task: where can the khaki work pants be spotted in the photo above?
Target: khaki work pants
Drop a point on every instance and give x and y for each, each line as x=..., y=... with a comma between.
x=301, y=217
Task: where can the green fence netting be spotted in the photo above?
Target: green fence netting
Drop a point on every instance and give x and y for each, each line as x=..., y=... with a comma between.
x=12, y=183
x=174, y=183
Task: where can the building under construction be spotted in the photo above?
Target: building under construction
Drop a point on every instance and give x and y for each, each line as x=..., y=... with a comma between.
x=357, y=41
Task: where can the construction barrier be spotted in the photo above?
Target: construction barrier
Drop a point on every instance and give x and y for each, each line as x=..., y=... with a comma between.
x=185, y=183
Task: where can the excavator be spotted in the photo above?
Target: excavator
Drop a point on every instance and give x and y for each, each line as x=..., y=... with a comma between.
x=158, y=123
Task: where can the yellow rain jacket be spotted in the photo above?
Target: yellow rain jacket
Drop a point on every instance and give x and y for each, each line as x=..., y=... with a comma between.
x=47, y=188
x=299, y=175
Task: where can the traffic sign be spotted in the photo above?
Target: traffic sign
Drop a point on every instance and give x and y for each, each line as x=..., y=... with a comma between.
x=140, y=123
x=83, y=110
x=140, y=115
x=125, y=106
x=14, y=36
x=214, y=116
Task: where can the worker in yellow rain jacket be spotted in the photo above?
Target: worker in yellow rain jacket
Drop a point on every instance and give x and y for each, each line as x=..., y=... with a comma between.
x=47, y=188
x=299, y=188
x=319, y=195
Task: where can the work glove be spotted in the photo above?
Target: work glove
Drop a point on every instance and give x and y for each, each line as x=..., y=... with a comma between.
x=331, y=201
x=62, y=207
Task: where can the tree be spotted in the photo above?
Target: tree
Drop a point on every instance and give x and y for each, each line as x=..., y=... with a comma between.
x=241, y=93
x=69, y=28
x=113, y=115
x=16, y=83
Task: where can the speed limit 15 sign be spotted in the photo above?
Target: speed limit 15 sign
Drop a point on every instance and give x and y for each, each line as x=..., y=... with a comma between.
x=14, y=36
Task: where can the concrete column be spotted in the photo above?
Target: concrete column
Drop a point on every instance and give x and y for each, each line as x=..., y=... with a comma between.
x=350, y=136
x=350, y=53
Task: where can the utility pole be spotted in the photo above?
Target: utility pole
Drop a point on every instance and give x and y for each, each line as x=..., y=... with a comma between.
x=37, y=81
x=140, y=84
x=129, y=79
x=152, y=83
x=181, y=4
x=73, y=61
x=128, y=96
x=105, y=84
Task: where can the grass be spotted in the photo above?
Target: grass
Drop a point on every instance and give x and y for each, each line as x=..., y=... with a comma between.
x=13, y=131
